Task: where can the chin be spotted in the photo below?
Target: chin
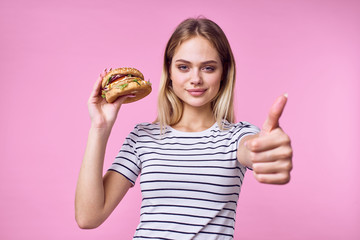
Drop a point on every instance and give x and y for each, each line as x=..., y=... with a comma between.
x=198, y=104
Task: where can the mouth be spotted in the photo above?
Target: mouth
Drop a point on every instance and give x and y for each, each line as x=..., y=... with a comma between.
x=196, y=91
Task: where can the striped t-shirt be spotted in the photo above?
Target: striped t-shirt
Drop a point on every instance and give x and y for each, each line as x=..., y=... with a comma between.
x=190, y=181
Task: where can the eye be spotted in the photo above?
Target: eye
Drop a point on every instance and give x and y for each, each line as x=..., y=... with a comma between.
x=183, y=68
x=208, y=69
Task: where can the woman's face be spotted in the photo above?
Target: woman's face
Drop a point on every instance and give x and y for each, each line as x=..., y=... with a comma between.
x=196, y=72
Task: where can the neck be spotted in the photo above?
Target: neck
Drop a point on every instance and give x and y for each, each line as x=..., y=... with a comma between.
x=195, y=119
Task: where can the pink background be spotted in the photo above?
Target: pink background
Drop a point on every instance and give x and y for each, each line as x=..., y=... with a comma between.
x=52, y=52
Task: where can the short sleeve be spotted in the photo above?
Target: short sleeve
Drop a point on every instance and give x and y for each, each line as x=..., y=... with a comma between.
x=127, y=162
x=243, y=129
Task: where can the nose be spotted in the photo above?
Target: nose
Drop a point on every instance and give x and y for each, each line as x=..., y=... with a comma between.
x=196, y=78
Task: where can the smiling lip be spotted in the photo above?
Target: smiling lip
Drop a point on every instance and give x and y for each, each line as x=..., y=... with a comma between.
x=196, y=92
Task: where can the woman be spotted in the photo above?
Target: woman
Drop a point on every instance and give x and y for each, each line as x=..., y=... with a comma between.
x=193, y=158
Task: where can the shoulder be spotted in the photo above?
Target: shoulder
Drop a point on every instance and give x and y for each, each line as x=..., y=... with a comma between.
x=246, y=125
x=240, y=125
x=240, y=129
x=142, y=131
x=146, y=128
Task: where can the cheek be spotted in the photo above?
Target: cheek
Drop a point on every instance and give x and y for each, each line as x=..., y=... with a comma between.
x=175, y=83
x=177, y=87
x=215, y=82
x=178, y=80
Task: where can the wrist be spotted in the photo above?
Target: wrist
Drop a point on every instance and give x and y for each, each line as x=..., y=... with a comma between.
x=100, y=131
x=101, y=124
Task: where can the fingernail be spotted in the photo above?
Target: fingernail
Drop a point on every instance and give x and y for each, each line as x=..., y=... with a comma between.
x=286, y=95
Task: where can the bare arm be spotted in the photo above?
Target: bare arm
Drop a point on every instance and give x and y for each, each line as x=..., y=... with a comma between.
x=97, y=196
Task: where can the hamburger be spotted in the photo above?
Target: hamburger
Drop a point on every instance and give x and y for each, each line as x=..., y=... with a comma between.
x=125, y=81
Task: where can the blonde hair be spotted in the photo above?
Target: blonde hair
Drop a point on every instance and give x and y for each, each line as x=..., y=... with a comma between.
x=170, y=107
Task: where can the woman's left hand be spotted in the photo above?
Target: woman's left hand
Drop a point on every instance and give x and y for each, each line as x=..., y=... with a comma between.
x=270, y=153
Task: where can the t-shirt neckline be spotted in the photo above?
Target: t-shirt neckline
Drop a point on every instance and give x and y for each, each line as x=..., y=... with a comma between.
x=178, y=132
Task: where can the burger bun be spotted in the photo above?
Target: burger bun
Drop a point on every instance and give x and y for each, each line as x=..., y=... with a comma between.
x=133, y=88
x=125, y=81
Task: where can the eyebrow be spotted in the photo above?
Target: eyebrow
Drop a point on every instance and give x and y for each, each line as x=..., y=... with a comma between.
x=206, y=62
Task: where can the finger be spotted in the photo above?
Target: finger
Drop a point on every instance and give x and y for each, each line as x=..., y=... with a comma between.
x=282, y=152
x=98, y=84
x=121, y=100
x=275, y=112
x=268, y=141
x=276, y=178
x=104, y=72
x=284, y=165
x=96, y=88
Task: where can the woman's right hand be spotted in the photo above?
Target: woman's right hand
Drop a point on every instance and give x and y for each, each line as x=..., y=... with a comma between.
x=102, y=113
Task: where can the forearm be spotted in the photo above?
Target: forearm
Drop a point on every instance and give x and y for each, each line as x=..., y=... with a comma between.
x=89, y=198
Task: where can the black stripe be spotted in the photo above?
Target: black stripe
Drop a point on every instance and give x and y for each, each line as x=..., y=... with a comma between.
x=192, y=182
x=189, y=190
x=226, y=124
x=226, y=217
x=221, y=133
x=129, y=138
x=196, y=174
x=190, y=198
x=182, y=144
x=190, y=160
x=133, y=183
x=187, y=166
x=187, y=224
x=187, y=206
x=119, y=164
x=207, y=142
x=125, y=151
x=129, y=160
x=165, y=230
x=182, y=232
x=183, y=155
x=173, y=222
x=217, y=233
x=180, y=137
x=128, y=147
x=176, y=214
x=243, y=173
x=221, y=225
x=156, y=133
x=161, y=238
x=185, y=149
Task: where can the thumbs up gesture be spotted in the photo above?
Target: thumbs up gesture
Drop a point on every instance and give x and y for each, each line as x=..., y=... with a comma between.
x=269, y=153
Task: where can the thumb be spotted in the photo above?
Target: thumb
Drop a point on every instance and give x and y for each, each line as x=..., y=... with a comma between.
x=275, y=112
x=120, y=100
